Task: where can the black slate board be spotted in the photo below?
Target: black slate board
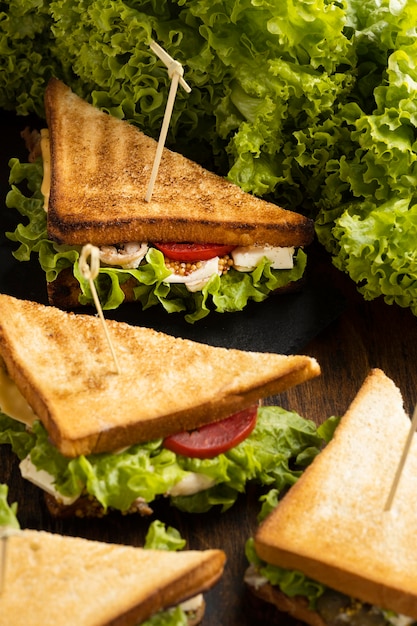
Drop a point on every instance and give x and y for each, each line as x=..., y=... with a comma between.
x=282, y=324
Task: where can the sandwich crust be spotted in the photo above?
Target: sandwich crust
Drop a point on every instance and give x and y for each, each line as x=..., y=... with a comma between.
x=90, y=583
x=332, y=525
x=62, y=364
x=100, y=171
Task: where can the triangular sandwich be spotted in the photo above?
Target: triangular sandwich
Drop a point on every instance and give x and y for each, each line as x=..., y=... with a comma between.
x=333, y=526
x=198, y=236
x=55, y=579
x=173, y=403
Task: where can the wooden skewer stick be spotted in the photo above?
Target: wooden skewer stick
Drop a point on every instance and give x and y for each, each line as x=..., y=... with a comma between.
x=403, y=459
x=175, y=72
x=5, y=532
x=90, y=272
x=3, y=558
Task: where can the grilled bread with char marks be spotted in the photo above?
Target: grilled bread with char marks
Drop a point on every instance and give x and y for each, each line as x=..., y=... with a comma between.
x=100, y=171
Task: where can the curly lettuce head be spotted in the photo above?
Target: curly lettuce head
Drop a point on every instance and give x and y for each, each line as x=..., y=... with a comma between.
x=309, y=102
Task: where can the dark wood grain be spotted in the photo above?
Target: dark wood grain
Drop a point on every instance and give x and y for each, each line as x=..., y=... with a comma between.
x=366, y=335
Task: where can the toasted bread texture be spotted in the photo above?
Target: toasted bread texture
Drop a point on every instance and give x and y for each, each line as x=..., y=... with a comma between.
x=63, y=366
x=100, y=172
x=53, y=579
x=332, y=525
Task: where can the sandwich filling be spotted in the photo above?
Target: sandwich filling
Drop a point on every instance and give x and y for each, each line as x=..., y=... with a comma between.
x=191, y=267
x=274, y=452
x=333, y=607
x=222, y=282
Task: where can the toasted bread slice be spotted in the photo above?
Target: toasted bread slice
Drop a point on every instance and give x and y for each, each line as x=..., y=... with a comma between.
x=332, y=524
x=100, y=171
x=53, y=579
x=62, y=364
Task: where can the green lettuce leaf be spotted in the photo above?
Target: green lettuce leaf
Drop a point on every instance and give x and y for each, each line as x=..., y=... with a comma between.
x=291, y=582
x=17, y=435
x=173, y=617
x=366, y=217
x=327, y=428
x=28, y=54
x=161, y=537
x=227, y=293
x=275, y=453
x=7, y=511
x=375, y=247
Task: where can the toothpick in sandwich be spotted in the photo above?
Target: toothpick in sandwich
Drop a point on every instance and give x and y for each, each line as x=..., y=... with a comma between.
x=90, y=272
x=175, y=72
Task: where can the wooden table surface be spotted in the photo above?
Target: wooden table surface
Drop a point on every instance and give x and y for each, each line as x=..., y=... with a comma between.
x=365, y=335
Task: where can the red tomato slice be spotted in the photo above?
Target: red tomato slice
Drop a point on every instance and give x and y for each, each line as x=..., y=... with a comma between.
x=193, y=251
x=212, y=439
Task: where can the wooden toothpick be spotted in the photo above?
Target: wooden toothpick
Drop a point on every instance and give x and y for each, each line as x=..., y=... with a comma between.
x=90, y=273
x=3, y=559
x=175, y=72
x=403, y=459
x=5, y=532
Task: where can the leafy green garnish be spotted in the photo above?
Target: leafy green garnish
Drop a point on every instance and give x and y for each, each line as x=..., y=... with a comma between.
x=274, y=454
x=7, y=511
x=291, y=582
x=309, y=103
x=160, y=537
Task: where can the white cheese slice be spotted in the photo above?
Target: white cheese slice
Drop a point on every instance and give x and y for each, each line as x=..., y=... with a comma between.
x=198, y=285
x=44, y=480
x=246, y=258
x=193, y=604
x=192, y=483
x=254, y=579
x=12, y=403
x=203, y=273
